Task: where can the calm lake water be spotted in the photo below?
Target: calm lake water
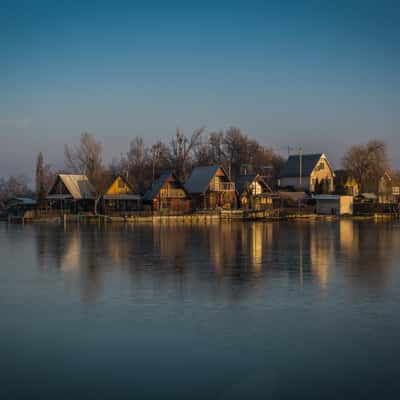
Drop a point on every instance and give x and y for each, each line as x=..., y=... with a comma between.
x=232, y=311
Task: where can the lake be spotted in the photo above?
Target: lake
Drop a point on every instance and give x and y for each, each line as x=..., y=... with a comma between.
x=281, y=310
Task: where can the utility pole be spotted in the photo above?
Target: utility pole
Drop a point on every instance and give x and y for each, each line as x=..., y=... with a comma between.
x=301, y=164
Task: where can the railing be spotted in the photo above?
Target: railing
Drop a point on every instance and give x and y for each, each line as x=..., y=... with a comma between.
x=175, y=193
x=222, y=186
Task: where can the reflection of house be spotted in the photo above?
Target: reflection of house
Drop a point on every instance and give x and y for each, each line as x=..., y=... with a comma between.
x=168, y=194
x=345, y=183
x=210, y=187
x=311, y=172
x=120, y=198
x=254, y=193
x=334, y=204
x=72, y=193
x=322, y=241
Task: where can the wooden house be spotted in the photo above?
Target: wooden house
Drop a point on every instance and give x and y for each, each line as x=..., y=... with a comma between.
x=254, y=193
x=389, y=189
x=167, y=195
x=120, y=198
x=309, y=172
x=345, y=184
x=72, y=194
x=210, y=187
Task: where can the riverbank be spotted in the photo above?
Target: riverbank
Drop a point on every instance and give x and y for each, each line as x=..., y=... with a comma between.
x=199, y=217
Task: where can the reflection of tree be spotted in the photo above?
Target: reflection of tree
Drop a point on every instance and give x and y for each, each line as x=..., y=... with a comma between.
x=370, y=254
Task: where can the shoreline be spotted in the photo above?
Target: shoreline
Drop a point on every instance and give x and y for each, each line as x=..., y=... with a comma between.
x=204, y=218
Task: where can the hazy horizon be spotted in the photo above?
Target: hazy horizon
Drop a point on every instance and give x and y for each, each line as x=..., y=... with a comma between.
x=320, y=76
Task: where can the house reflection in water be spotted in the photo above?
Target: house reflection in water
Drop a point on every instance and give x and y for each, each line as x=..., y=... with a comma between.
x=322, y=241
x=220, y=261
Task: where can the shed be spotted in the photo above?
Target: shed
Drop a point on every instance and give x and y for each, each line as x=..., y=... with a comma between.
x=334, y=204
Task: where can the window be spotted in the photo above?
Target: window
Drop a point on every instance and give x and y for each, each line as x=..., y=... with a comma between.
x=321, y=165
x=121, y=184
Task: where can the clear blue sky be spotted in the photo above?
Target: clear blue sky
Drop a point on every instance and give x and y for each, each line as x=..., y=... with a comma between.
x=323, y=75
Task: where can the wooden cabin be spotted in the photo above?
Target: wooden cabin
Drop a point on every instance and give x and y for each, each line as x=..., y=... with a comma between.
x=210, y=188
x=345, y=184
x=167, y=195
x=71, y=194
x=309, y=172
x=120, y=199
x=254, y=193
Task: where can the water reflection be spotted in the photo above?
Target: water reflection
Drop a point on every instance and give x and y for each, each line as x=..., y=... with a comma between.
x=218, y=261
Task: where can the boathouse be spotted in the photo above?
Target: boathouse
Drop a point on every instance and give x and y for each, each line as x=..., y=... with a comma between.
x=71, y=194
x=120, y=199
x=19, y=206
x=167, y=195
x=309, y=172
x=210, y=187
x=334, y=204
x=254, y=193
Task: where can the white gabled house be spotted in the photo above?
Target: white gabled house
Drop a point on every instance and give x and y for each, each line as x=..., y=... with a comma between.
x=308, y=172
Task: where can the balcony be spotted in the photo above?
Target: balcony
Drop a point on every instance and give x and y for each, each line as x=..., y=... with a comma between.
x=172, y=193
x=222, y=187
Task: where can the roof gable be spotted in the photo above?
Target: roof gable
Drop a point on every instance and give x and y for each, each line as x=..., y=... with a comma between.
x=119, y=186
x=201, y=177
x=308, y=163
x=245, y=180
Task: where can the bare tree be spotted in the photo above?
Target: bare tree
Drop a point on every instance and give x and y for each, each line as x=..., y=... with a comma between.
x=182, y=149
x=367, y=164
x=137, y=161
x=44, y=178
x=86, y=158
x=14, y=186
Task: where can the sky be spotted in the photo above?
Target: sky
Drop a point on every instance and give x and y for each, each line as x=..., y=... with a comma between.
x=322, y=75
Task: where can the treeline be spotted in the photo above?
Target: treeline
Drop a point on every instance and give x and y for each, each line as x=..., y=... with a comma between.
x=143, y=163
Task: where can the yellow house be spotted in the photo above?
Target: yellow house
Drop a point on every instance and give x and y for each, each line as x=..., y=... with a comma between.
x=120, y=198
x=308, y=172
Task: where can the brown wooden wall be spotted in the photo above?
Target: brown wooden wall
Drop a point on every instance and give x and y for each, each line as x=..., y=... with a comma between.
x=213, y=200
x=178, y=205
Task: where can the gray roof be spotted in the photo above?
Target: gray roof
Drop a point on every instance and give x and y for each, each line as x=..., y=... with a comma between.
x=122, y=196
x=78, y=185
x=292, y=166
x=200, y=178
x=294, y=196
x=24, y=201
